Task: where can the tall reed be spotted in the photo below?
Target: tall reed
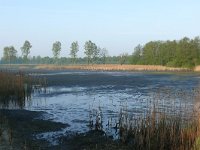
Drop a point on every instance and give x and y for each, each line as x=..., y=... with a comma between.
x=15, y=88
x=175, y=129
x=170, y=122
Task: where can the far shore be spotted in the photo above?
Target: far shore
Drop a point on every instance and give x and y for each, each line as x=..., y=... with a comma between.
x=100, y=67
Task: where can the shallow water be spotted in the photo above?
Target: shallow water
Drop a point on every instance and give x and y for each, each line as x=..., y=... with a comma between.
x=78, y=97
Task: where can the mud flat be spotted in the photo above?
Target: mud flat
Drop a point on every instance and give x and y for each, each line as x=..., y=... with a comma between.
x=19, y=127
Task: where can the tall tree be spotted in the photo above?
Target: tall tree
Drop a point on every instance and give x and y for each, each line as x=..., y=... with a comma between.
x=56, y=50
x=26, y=50
x=73, y=51
x=103, y=55
x=9, y=54
x=90, y=51
x=137, y=54
x=123, y=58
x=6, y=54
x=182, y=53
x=95, y=54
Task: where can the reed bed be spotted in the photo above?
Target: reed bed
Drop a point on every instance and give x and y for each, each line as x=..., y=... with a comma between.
x=197, y=68
x=169, y=122
x=161, y=132
x=111, y=67
x=174, y=128
x=15, y=88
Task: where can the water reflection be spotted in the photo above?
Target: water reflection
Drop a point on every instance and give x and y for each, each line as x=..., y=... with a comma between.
x=85, y=110
x=108, y=101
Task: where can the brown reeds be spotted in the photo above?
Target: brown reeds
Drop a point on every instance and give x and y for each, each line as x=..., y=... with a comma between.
x=15, y=88
x=171, y=121
x=159, y=129
x=160, y=132
x=111, y=67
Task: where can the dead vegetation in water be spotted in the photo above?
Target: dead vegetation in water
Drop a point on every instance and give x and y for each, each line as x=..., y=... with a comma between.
x=19, y=127
x=16, y=87
x=161, y=131
x=153, y=132
x=176, y=127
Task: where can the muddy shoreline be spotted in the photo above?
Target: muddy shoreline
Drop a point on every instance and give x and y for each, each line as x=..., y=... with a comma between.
x=23, y=125
x=19, y=127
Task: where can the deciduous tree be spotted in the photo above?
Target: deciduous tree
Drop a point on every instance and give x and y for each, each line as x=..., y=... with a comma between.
x=56, y=50
x=26, y=50
x=10, y=54
x=73, y=51
x=91, y=51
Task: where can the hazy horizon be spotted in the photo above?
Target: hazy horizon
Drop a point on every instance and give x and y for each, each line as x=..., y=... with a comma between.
x=117, y=25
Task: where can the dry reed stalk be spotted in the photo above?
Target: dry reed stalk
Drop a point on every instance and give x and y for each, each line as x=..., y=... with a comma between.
x=111, y=67
x=15, y=88
x=161, y=130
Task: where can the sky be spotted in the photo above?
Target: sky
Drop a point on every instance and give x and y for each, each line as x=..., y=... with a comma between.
x=117, y=25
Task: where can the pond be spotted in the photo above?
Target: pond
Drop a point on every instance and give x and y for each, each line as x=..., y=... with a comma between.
x=79, y=98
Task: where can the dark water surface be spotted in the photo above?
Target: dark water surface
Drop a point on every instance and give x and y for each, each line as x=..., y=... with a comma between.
x=78, y=97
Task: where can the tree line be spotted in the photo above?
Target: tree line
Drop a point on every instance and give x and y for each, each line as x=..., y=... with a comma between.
x=176, y=53
x=93, y=54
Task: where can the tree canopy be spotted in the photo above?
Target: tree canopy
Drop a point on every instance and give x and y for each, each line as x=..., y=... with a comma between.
x=56, y=49
x=9, y=54
x=91, y=51
x=182, y=53
x=26, y=50
x=73, y=51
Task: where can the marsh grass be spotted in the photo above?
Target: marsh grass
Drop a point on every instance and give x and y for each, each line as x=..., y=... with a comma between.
x=15, y=88
x=170, y=122
x=160, y=131
x=174, y=128
x=111, y=67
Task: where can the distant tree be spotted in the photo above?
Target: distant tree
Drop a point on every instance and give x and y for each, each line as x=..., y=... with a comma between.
x=182, y=53
x=186, y=53
x=47, y=60
x=122, y=58
x=6, y=54
x=9, y=54
x=96, y=52
x=73, y=51
x=26, y=50
x=137, y=54
x=13, y=53
x=90, y=51
x=103, y=55
x=56, y=50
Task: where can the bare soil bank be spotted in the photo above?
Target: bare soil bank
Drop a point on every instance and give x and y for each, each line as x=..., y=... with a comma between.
x=18, y=128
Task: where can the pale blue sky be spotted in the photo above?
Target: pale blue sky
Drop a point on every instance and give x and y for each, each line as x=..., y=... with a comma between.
x=118, y=25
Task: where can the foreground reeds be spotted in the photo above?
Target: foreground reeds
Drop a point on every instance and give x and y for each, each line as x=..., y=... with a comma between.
x=176, y=129
x=161, y=132
x=160, y=127
x=15, y=88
